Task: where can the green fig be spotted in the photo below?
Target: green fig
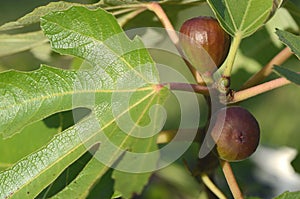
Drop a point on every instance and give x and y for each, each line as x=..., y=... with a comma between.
x=236, y=137
x=204, y=43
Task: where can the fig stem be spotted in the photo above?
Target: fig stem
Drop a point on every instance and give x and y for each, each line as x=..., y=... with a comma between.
x=256, y=90
x=160, y=13
x=230, y=178
x=209, y=184
x=280, y=58
x=232, y=54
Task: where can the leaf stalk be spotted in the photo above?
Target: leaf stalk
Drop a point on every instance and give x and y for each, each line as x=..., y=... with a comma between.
x=232, y=54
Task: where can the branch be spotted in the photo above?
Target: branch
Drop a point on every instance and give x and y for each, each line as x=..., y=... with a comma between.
x=281, y=57
x=256, y=90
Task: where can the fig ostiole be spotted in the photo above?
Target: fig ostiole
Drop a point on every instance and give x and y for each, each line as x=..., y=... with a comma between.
x=235, y=133
x=204, y=43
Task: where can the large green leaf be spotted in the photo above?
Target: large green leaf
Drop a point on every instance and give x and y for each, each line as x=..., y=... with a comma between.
x=241, y=17
x=291, y=40
x=120, y=88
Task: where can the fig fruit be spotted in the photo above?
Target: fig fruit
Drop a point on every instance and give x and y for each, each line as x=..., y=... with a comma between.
x=235, y=133
x=204, y=42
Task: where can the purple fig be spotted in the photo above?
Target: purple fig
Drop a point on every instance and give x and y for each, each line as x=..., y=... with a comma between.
x=204, y=42
x=238, y=136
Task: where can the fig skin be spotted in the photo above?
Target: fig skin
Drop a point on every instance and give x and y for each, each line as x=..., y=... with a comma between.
x=203, y=36
x=238, y=137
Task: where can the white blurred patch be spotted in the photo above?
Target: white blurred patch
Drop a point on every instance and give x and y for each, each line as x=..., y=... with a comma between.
x=275, y=169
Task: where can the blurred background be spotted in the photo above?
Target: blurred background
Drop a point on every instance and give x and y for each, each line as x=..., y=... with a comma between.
x=269, y=172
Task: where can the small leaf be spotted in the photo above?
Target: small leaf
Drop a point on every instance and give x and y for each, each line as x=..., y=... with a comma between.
x=289, y=195
x=34, y=16
x=10, y=44
x=242, y=17
x=281, y=20
x=290, y=40
x=288, y=74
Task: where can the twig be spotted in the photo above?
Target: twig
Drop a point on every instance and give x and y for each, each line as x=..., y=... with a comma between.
x=124, y=6
x=230, y=178
x=209, y=184
x=160, y=13
x=256, y=90
x=123, y=11
x=124, y=19
x=281, y=57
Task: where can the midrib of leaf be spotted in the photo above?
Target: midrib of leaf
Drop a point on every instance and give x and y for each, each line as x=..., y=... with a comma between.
x=42, y=98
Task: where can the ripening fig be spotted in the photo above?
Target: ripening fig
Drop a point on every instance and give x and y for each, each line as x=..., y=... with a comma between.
x=236, y=137
x=204, y=42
